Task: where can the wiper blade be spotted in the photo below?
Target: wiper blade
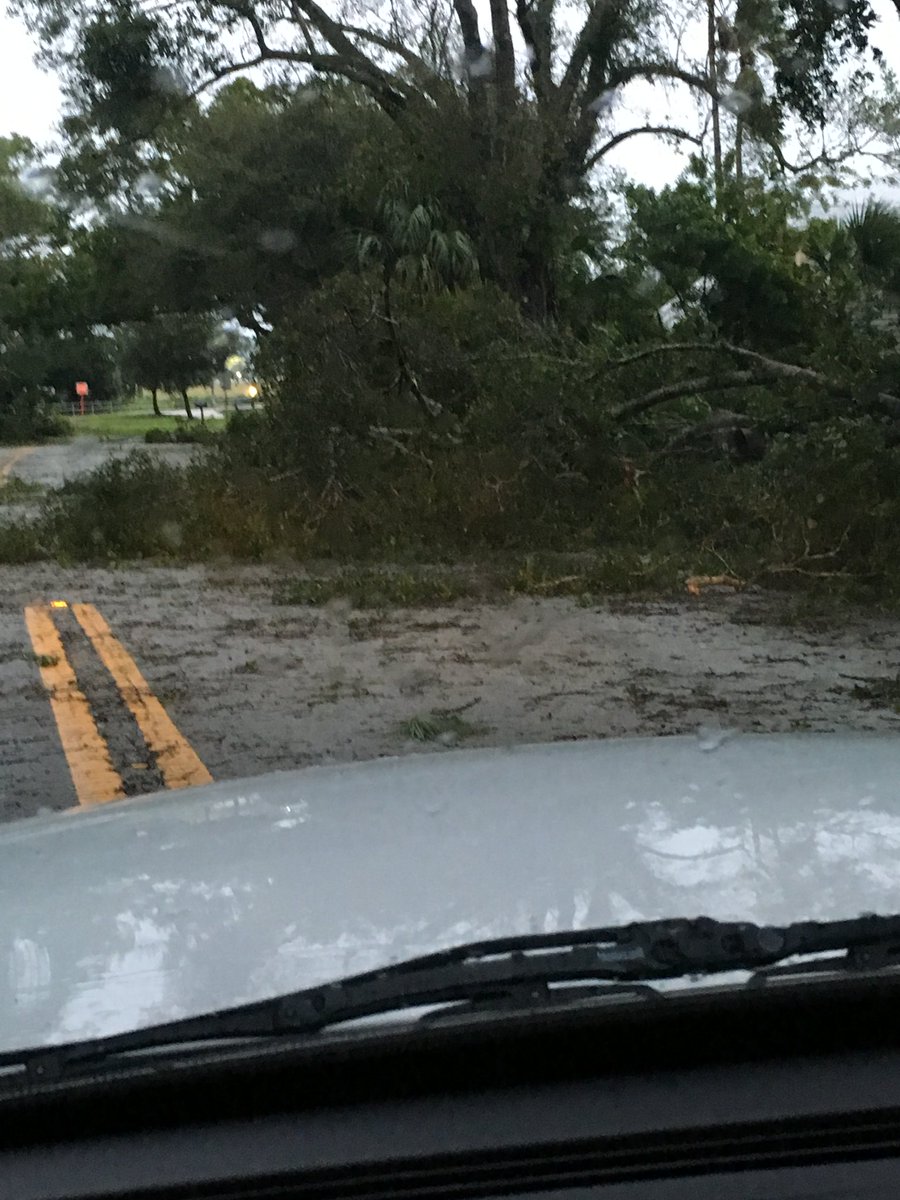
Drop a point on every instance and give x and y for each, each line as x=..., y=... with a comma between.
x=504, y=969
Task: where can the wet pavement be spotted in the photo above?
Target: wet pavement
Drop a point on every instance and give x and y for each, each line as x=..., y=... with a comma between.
x=255, y=686
x=53, y=464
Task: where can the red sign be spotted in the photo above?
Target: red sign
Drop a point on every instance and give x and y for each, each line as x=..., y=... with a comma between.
x=81, y=388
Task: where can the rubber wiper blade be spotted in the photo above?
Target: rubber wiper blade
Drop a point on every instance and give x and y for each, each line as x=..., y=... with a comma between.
x=641, y=952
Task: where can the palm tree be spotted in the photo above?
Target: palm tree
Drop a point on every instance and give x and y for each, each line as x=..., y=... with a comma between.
x=874, y=228
x=411, y=245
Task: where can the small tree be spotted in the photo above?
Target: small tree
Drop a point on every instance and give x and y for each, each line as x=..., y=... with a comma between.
x=171, y=352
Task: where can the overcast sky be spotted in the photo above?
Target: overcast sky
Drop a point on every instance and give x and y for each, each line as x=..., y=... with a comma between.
x=30, y=101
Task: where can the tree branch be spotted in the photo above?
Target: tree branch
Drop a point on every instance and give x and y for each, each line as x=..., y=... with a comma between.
x=224, y=72
x=689, y=387
x=770, y=370
x=666, y=130
x=504, y=56
x=534, y=23
x=665, y=348
x=581, y=51
x=661, y=70
x=789, y=370
x=467, y=16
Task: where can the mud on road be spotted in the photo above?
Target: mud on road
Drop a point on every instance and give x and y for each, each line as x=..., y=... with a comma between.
x=256, y=686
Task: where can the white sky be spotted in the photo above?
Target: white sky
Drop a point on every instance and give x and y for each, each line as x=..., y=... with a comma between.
x=29, y=97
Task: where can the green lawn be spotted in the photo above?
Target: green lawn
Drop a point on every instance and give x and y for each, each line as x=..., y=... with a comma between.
x=136, y=417
x=119, y=424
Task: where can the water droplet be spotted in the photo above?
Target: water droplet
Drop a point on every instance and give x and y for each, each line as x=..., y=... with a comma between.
x=170, y=534
x=148, y=183
x=602, y=103
x=277, y=241
x=711, y=737
x=736, y=101
x=170, y=81
x=39, y=181
x=479, y=64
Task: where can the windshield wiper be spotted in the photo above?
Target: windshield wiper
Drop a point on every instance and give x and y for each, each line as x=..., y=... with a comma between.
x=515, y=970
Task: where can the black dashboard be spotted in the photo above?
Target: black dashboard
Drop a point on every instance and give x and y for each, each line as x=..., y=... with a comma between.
x=783, y=1092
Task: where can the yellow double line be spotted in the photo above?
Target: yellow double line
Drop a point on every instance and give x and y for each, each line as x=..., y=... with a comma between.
x=93, y=774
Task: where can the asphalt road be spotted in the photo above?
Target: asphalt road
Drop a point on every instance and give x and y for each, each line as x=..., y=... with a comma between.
x=149, y=677
x=52, y=465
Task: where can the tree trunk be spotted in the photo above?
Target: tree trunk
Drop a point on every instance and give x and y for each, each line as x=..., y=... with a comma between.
x=714, y=88
x=187, y=404
x=537, y=284
x=153, y=397
x=739, y=151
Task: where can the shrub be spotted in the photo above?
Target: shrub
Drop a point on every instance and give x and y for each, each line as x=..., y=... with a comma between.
x=29, y=418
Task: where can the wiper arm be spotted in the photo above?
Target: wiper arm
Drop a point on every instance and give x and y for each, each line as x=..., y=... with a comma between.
x=504, y=968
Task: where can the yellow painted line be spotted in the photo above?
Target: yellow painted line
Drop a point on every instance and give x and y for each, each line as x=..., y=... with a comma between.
x=15, y=457
x=175, y=756
x=87, y=754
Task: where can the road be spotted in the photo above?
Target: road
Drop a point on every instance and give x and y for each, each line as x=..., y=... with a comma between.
x=52, y=465
x=150, y=677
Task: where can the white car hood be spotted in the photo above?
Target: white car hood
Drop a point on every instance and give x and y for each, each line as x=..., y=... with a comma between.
x=189, y=901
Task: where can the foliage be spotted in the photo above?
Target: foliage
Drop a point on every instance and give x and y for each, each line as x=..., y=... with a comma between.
x=508, y=150
x=472, y=337
x=170, y=352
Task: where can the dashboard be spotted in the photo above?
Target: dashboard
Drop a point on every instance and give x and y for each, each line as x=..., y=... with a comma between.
x=778, y=1093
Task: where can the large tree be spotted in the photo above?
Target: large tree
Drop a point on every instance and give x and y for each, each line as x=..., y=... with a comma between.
x=504, y=125
x=46, y=342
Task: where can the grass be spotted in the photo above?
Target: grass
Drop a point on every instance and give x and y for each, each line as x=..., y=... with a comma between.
x=445, y=726
x=118, y=424
x=584, y=577
x=19, y=491
x=20, y=542
x=136, y=417
x=372, y=587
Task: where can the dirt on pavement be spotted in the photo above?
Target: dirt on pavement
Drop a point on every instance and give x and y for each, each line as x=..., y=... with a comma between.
x=257, y=686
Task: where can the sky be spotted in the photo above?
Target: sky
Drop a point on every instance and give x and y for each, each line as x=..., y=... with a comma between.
x=29, y=97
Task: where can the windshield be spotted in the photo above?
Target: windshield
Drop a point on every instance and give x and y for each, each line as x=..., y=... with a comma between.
x=491, y=410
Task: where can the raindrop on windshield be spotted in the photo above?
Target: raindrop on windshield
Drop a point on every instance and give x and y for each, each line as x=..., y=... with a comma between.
x=602, y=103
x=480, y=65
x=711, y=737
x=736, y=101
x=149, y=184
x=168, y=80
x=277, y=241
x=39, y=181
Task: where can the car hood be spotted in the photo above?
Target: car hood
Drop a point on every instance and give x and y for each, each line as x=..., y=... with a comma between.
x=185, y=902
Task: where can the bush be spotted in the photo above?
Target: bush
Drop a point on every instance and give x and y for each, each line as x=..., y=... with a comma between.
x=190, y=432
x=21, y=542
x=193, y=432
x=29, y=418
